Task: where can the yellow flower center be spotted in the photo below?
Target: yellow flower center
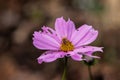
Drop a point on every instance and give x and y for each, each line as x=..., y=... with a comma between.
x=66, y=45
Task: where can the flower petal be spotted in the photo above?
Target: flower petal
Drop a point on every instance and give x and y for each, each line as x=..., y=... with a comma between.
x=50, y=32
x=64, y=29
x=60, y=24
x=85, y=49
x=89, y=57
x=47, y=57
x=45, y=42
x=74, y=55
x=77, y=57
x=88, y=38
x=70, y=28
x=80, y=33
x=50, y=56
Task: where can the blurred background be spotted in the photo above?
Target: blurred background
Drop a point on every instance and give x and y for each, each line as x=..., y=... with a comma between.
x=20, y=18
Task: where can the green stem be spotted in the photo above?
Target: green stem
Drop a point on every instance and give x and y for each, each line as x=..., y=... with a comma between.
x=90, y=72
x=65, y=69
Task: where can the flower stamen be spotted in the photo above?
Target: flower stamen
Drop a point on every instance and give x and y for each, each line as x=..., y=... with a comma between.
x=66, y=45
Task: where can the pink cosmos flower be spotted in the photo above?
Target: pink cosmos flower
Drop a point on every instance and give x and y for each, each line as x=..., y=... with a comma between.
x=65, y=40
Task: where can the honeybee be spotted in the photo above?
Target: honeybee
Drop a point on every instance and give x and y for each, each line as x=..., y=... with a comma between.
x=65, y=41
